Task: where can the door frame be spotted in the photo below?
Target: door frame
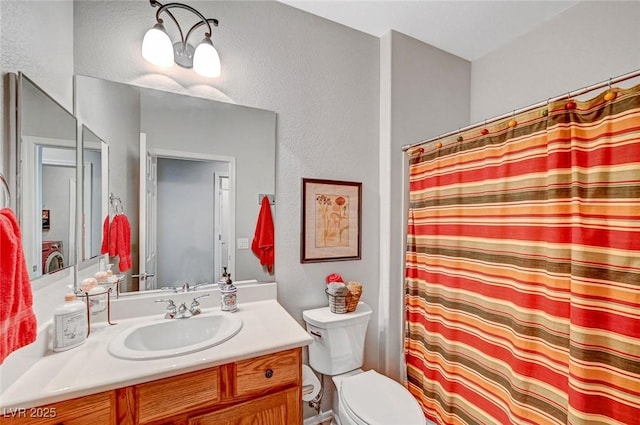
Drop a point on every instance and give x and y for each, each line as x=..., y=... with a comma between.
x=204, y=157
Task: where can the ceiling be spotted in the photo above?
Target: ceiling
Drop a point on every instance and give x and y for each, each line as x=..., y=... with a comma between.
x=468, y=29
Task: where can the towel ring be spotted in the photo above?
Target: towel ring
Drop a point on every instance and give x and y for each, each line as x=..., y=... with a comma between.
x=7, y=191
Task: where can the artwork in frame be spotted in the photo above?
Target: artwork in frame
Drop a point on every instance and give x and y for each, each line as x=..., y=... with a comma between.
x=331, y=220
x=46, y=224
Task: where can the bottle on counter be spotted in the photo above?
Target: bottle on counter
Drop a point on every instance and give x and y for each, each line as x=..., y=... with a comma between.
x=69, y=324
x=229, y=296
x=223, y=279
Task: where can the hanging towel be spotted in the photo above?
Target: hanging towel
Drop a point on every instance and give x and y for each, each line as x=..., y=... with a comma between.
x=105, y=236
x=120, y=241
x=17, y=321
x=263, y=239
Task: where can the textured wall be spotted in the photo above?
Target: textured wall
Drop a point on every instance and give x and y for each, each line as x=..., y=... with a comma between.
x=36, y=38
x=588, y=43
x=319, y=77
x=425, y=91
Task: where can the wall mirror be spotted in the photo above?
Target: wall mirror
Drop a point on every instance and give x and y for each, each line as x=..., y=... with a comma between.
x=46, y=177
x=95, y=189
x=189, y=174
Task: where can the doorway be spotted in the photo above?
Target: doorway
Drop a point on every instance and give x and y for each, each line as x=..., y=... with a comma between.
x=189, y=243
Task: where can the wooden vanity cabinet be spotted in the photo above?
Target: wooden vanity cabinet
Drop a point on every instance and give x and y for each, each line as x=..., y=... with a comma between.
x=90, y=410
x=265, y=390
x=274, y=409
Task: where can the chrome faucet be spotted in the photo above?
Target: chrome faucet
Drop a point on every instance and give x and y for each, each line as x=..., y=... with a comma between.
x=182, y=312
x=171, y=308
x=195, y=305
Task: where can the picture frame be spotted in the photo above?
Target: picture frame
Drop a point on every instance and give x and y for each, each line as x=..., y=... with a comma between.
x=46, y=224
x=331, y=220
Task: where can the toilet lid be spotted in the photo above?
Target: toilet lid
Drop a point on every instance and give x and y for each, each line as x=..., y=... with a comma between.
x=374, y=399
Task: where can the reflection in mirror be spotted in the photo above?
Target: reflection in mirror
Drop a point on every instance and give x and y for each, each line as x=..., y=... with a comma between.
x=189, y=172
x=95, y=158
x=47, y=175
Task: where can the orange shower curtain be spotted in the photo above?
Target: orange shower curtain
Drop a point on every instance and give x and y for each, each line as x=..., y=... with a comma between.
x=523, y=268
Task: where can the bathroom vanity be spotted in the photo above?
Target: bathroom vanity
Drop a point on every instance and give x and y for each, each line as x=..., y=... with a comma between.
x=264, y=390
x=255, y=377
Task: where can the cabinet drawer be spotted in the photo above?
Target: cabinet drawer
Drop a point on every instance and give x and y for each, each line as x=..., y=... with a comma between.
x=280, y=408
x=166, y=397
x=89, y=410
x=265, y=372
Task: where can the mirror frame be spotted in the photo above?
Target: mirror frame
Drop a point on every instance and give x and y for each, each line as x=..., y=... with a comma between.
x=17, y=92
x=99, y=144
x=89, y=104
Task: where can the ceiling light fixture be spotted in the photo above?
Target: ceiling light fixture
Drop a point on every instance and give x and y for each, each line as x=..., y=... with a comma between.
x=158, y=48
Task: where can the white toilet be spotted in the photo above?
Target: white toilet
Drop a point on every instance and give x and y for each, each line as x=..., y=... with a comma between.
x=364, y=398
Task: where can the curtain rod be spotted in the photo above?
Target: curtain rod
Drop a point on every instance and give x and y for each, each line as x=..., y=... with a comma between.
x=623, y=77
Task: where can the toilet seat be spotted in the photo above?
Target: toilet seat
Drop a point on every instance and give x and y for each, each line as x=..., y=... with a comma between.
x=370, y=398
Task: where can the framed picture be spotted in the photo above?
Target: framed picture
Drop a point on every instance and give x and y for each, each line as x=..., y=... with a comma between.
x=46, y=225
x=331, y=220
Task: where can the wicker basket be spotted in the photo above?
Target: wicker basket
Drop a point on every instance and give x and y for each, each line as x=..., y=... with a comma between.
x=341, y=304
x=337, y=303
x=352, y=301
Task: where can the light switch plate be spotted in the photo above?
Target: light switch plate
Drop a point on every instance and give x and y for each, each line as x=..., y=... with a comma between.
x=243, y=243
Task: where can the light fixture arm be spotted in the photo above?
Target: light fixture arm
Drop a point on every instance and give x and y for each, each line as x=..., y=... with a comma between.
x=203, y=21
x=160, y=50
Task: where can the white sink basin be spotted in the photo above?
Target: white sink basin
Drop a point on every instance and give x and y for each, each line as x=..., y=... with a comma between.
x=172, y=337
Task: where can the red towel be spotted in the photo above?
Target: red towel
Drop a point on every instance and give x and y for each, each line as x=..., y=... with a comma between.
x=263, y=239
x=120, y=241
x=105, y=236
x=17, y=321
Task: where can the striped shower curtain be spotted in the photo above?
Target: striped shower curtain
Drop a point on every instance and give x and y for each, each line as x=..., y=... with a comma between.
x=523, y=268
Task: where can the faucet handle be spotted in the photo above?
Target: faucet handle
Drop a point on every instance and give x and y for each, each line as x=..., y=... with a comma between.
x=195, y=305
x=171, y=308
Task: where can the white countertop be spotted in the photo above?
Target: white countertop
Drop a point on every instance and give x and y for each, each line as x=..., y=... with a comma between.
x=88, y=369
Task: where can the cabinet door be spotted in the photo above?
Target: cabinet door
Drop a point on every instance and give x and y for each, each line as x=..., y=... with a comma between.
x=161, y=399
x=281, y=408
x=90, y=410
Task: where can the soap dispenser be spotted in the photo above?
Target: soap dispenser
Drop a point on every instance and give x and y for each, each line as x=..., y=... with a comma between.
x=223, y=280
x=228, y=296
x=69, y=324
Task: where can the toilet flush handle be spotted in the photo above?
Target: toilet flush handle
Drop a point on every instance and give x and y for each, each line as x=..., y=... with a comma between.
x=314, y=333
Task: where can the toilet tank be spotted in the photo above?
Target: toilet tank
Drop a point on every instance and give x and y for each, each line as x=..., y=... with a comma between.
x=338, y=339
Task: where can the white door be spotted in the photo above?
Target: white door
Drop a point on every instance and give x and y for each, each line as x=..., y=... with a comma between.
x=148, y=202
x=221, y=205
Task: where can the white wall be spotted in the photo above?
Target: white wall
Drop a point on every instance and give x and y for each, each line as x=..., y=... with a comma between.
x=97, y=111
x=37, y=39
x=47, y=59
x=320, y=78
x=417, y=80
x=588, y=43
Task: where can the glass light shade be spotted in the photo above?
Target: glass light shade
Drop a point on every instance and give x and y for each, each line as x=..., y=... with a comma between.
x=157, y=47
x=206, y=60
